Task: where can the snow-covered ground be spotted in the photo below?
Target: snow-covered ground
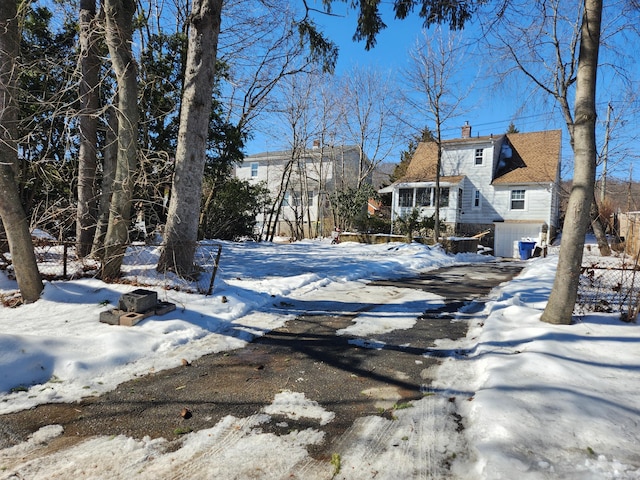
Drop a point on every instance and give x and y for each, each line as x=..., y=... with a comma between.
x=537, y=401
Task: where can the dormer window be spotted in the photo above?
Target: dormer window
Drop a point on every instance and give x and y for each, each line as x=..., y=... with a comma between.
x=479, y=155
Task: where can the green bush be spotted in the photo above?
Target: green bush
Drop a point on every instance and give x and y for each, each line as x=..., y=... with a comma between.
x=230, y=209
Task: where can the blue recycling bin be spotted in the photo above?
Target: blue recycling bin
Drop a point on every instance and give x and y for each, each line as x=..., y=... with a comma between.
x=526, y=249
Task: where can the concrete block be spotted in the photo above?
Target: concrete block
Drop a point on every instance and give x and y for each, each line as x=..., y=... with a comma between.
x=112, y=317
x=164, y=307
x=138, y=301
x=131, y=318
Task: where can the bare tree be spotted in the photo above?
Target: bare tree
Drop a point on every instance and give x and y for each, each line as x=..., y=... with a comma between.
x=181, y=231
x=543, y=46
x=13, y=216
x=328, y=115
x=261, y=46
x=559, y=309
x=435, y=90
x=298, y=127
x=369, y=104
x=119, y=32
x=87, y=155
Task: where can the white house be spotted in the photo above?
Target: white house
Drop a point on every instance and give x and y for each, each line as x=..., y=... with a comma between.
x=304, y=181
x=508, y=184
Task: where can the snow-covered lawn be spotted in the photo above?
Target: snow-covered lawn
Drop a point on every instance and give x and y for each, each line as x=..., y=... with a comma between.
x=537, y=401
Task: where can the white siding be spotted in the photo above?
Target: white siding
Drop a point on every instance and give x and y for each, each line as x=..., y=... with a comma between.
x=461, y=161
x=537, y=205
x=317, y=171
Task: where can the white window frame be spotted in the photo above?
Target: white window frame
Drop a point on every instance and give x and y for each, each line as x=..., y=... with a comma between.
x=426, y=199
x=400, y=197
x=254, y=169
x=519, y=196
x=479, y=156
x=477, y=199
x=445, y=200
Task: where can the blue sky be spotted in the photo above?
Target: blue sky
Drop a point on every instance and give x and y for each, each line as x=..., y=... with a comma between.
x=489, y=109
x=488, y=112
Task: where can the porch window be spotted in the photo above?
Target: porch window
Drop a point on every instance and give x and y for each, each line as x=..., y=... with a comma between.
x=405, y=197
x=423, y=197
x=444, y=196
x=517, y=199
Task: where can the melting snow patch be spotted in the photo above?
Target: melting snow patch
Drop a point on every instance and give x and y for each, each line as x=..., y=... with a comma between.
x=295, y=405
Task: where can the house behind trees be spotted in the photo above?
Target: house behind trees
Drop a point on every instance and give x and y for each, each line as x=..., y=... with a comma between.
x=506, y=184
x=302, y=184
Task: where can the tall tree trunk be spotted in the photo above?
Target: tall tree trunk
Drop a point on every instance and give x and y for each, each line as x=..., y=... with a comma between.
x=13, y=215
x=109, y=160
x=87, y=156
x=181, y=232
x=598, y=230
x=564, y=293
x=119, y=32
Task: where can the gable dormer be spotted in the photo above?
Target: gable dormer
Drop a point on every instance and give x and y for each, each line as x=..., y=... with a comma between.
x=508, y=159
x=534, y=158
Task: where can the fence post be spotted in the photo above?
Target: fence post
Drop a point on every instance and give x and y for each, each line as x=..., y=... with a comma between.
x=215, y=270
x=64, y=259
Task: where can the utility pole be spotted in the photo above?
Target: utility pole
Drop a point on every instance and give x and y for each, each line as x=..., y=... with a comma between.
x=605, y=154
x=629, y=189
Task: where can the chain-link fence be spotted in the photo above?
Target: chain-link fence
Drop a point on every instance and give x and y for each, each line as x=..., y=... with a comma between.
x=140, y=261
x=56, y=261
x=611, y=289
x=59, y=261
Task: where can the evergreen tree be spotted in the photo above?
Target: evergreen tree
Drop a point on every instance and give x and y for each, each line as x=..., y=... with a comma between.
x=512, y=128
x=46, y=98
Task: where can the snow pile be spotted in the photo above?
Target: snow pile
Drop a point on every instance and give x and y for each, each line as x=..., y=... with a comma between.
x=56, y=350
x=547, y=401
x=520, y=398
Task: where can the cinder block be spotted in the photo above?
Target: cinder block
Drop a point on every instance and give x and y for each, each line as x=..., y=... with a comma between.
x=138, y=301
x=131, y=318
x=112, y=317
x=164, y=307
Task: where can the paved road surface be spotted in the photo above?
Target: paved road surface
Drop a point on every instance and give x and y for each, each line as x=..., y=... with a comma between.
x=305, y=356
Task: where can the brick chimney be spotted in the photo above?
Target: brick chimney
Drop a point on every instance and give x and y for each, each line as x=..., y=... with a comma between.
x=466, y=130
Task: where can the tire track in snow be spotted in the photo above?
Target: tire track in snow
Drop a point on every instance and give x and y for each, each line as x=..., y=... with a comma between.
x=421, y=447
x=362, y=445
x=191, y=466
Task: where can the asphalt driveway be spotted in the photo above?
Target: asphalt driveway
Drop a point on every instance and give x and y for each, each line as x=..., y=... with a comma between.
x=351, y=379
